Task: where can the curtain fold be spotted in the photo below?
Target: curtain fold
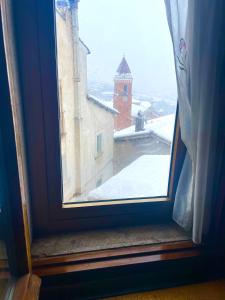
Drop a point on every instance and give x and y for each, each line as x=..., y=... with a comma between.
x=196, y=30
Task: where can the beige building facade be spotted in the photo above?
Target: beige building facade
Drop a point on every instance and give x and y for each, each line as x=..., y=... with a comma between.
x=86, y=124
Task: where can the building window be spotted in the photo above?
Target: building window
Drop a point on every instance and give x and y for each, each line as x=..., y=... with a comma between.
x=99, y=149
x=125, y=90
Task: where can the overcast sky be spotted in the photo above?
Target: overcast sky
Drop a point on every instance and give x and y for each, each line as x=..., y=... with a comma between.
x=136, y=28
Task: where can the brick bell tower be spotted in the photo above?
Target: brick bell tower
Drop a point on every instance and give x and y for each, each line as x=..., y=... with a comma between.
x=122, y=98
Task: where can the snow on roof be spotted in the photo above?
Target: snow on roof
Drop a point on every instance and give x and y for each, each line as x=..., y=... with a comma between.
x=163, y=127
x=147, y=176
x=103, y=104
x=138, y=105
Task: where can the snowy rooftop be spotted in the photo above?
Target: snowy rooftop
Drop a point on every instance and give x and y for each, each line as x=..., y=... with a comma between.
x=104, y=104
x=138, y=105
x=163, y=127
x=147, y=176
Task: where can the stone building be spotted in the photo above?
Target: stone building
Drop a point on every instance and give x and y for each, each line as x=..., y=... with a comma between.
x=87, y=124
x=156, y=139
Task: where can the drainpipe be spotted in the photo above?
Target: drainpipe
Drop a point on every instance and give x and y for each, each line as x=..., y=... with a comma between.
x=75, y=37
x=77, y=100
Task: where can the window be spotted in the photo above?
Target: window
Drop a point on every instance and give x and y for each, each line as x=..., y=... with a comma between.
x=35, y=34
x=87, y=109
x=133, y=104
x=99, y=144
x=125, y=89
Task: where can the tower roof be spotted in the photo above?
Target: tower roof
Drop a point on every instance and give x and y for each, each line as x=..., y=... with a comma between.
x=123, y=67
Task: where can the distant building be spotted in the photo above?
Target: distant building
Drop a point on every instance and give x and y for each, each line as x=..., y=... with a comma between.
x=155, y=139
x=122, y=98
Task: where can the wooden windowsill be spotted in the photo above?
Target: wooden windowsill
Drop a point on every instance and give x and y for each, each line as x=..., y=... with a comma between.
x=71, y=264
x=110, y=248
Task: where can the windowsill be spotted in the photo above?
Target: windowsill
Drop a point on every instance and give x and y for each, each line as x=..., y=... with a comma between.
x=121, y=247
x=99, y=155
x=119, y=237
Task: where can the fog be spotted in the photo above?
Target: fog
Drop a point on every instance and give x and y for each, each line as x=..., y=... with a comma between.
x=137, y=29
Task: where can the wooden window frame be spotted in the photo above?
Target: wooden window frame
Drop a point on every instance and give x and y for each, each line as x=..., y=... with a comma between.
x=36, y=47
x=12, y=210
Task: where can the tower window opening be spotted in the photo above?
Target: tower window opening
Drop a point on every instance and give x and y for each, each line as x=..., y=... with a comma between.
x=125, y=89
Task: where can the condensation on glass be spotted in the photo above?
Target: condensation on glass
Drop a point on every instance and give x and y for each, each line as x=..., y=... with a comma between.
x=117, y=98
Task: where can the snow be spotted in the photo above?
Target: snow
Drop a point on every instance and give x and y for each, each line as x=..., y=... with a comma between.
x=107, y=93
x=147, y=176
x=109, y=103
x=105, y=104
x=163, y=127
x=139, y=105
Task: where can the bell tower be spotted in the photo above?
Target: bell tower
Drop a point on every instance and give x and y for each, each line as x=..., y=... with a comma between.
x=122, y=98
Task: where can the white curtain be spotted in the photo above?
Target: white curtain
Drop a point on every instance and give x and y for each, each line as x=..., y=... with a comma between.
x=196, y=30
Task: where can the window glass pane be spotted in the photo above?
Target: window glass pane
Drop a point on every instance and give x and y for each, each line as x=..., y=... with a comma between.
x=117, y=86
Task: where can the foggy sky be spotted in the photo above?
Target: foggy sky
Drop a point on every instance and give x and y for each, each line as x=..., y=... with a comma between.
x=135, y=28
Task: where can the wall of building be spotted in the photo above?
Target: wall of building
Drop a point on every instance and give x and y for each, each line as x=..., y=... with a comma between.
x=66, y=87
x=95, y=166
x=81, y=120
x=94, y=120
